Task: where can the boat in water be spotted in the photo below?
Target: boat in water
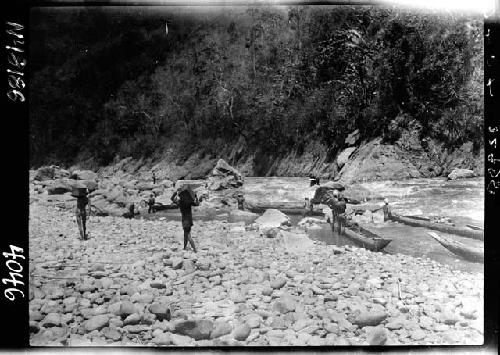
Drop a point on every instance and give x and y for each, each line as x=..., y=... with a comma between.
x=467, y=252
x=442, y=227
x=365, y=238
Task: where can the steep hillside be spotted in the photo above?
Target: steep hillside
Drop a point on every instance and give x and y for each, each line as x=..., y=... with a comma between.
x=275, y=91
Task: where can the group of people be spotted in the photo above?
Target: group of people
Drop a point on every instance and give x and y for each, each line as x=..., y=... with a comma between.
x=185, y=198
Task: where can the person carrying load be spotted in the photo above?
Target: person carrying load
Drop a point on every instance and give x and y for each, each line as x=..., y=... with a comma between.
x=82, y=201
x=185, y=198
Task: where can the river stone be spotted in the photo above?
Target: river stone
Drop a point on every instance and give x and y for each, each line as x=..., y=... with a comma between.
x=132, y=319
x=177, y=263
x=158, y=285
x=52, y=320
x=126, y=309
x=418, y=334
x=449, y=318
x=278, y=283
x=241, y=332
x=267, y=291
x=285, y=304
x=273, y=218
x=112, y=333
x=460, y=174
x=221, y=328
x=364, y=319
x=161, y=311
x=96, y=322
x=332, y=328
x=162, y=339
x=197, y=329
x=377, y=336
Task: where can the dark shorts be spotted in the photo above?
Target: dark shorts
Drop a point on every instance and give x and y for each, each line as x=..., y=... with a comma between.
x=187, y=229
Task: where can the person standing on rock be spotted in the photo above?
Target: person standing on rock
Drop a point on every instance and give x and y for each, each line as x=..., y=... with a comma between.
x=154, y=179
x=82, y=201
x=151, y=203
x=185, y=198
x=308, y=207
x=341, y=207
x=241, y=200
x=387, y=210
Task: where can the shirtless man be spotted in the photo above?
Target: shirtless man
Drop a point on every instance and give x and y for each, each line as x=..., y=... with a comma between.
x=186, y=212
x=82, y=201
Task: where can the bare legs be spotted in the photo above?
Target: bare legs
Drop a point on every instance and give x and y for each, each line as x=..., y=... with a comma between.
x=187, y=238
x=81, y=221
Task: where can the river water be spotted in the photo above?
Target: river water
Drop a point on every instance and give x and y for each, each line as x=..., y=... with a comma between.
x=462, y=201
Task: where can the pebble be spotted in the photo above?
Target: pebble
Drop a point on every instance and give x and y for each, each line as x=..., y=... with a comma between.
x=377, y=336
x=96, y=322
x=241, y=332
x=247, y=295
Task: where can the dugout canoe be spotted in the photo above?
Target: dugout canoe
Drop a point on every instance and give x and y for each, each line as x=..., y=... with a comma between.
x=292, y=208
x=464, y=232
x=365, y=238
x=460, y=249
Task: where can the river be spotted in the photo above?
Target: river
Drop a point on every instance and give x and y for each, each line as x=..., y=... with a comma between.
x=462, y=201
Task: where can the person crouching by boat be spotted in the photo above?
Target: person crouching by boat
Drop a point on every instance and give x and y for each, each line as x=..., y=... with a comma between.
x=308, y=206
x=313, y=180
x=387, y=210
x=185, y=198
x=131, y=212
x=151, y=203
x=82, y=201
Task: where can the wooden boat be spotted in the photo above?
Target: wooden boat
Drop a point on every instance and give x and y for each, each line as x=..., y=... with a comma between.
x=465, y=232
x=292, y=208
x=365, y=238
x=460, y=249
x=472, y=226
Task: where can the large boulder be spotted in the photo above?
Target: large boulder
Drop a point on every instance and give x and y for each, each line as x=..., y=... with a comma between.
x=273, y=218
x=224, y=176
x=194, y=184
x=461, y=174
x=84, y=175
x=50, y=172
x=343, y=157
x=198, y=329
x=58, y=187
x=353, y=138
x=242, y=216
x=377, y=161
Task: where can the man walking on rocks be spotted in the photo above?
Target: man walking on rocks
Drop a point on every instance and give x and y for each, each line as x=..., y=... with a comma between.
x=185, y=198
x=82, y=201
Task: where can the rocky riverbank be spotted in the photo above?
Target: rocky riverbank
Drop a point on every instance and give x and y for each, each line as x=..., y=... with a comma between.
x=132, y=284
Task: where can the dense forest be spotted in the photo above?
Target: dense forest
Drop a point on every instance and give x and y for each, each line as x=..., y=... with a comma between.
x=107, y=82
